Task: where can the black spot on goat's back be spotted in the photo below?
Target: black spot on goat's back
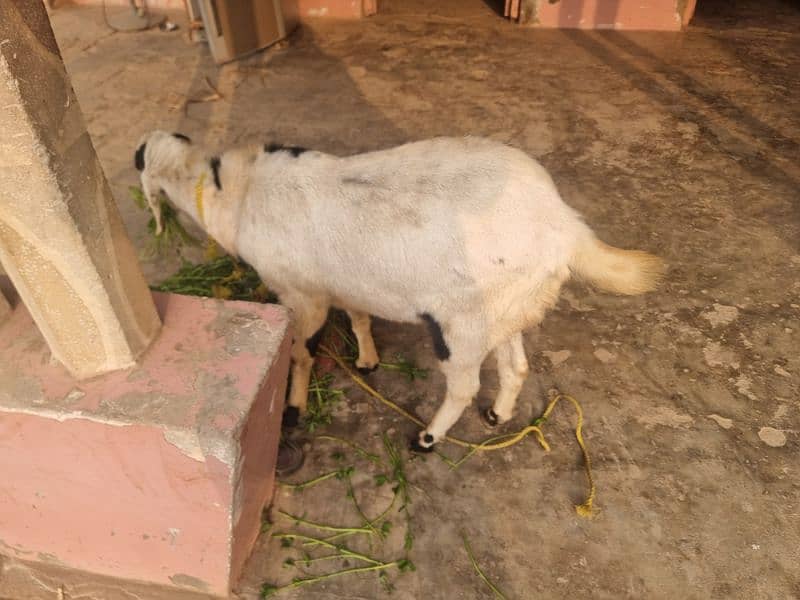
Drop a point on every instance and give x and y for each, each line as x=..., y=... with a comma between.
x=295, y=150
x=180, y=136
x=138, y=158
x=215, y=163
x=439, y=345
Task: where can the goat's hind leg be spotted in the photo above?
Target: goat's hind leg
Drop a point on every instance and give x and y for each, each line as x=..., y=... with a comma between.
x=512, y=368
x=460, y=358
x=463, y=382
x=367, y=360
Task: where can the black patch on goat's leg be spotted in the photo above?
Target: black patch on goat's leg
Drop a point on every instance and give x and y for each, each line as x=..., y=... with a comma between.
x=180, y=136
x=289, y=384
x=416, y=446
x=439, y=345
x=291, y=417
x=291, y=414
x=138, y=158
x=367, y=370
x=490, y=417
x=215, y=164
x=312, y=343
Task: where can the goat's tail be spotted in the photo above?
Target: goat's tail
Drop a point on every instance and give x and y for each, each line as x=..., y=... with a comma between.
x=628, y=272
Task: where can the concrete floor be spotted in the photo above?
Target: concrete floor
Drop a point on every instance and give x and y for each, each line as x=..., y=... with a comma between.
x=682, y=144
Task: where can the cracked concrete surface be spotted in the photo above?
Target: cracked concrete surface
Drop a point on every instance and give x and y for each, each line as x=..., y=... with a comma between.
x=682, y=144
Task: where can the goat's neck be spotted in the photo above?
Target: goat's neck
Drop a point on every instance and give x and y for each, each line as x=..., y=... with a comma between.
x=215, y=210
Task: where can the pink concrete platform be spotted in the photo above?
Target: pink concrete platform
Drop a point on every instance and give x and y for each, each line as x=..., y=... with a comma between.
x=158, y=473
x=337, y=9
x=642, y=15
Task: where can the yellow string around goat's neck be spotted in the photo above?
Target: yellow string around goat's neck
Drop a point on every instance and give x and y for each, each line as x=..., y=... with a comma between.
x=198, y=198
x=212, y=250
x=586, y=509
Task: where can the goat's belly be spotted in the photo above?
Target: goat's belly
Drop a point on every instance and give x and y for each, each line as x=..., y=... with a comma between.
x=396, y=309
x=397, y=296
x=391, y=302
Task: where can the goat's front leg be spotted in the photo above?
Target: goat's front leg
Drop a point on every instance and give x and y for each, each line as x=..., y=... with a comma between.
x=308, y=319
x=151, y=193
x=368, y=359
x=512, y=368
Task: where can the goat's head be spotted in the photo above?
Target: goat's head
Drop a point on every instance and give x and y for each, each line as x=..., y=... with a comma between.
x=160, y=158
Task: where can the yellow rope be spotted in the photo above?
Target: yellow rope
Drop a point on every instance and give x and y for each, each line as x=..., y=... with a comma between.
x=212, y=250
x=498, y=442
x=198, y=197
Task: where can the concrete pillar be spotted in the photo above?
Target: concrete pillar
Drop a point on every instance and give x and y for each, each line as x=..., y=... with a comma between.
x=62, y=241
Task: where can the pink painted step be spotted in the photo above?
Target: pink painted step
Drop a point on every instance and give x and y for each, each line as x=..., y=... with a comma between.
x=647, y=15
x=158, y=473
x=337, y=9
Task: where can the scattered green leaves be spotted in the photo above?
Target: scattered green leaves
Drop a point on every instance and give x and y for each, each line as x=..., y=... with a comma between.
x=497, y=593
x=398, y=473
x=322, y=399
x=311, y=482
x=406, y=565
x=268, y=590
x=266, y=524
x=370, y=456
x=379, y=527
x=174, y=235
x=345, y=472
x=323, y=526
x=338, y=322
x=406, y=367
x=224, y=277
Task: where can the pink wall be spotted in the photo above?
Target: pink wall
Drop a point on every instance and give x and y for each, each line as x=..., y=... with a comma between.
x=340, y=9
x=584, y=14
x=610, y=14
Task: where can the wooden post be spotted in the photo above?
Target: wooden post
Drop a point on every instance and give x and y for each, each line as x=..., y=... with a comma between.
x=62, y=241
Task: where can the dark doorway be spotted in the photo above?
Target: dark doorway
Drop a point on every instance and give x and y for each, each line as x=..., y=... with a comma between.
x=782, y=15
x=443, y=8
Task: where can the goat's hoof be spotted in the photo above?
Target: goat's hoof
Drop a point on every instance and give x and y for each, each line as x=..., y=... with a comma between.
x=367, y=370
x=490, y=418
x=422, y=444
x=291, y=417
x=290, y=458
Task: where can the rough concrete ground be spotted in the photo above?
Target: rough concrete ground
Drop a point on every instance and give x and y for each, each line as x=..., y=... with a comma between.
x=682, y=144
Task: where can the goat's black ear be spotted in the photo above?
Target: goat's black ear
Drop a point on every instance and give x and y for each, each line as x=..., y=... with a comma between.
x=185, y=138
x=138, y=158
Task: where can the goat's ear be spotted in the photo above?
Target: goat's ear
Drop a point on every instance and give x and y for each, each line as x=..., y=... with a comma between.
x=138, y=158
x=180, y=136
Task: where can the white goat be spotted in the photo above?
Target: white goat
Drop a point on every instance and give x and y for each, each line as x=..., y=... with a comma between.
x=467, y=235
